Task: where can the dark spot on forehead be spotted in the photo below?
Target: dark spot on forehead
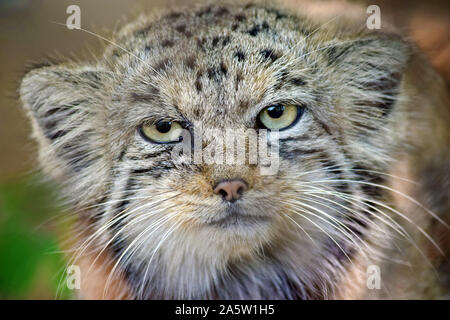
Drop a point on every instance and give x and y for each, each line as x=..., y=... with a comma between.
x=240, y=56
x=278, y=14
x=161, y=65
x=221, y=11
x=174, y=15
x=201, y=43
x=223, y=68
x=270, y=54
x=143, y=32
x=190, y=62
x=204, y=11
x=254, y=31
x=198, y=83
x=257, y=28
x=180, y=28
x=298, y=82
x=212, y=73
x=216, y=73
x=226, y=40
x=240, y=17
x=215, y=41
x=147, y=49
x=167, y=43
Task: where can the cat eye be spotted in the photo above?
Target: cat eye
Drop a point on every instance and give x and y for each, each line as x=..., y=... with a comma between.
x=280, y=116
x=162, y=131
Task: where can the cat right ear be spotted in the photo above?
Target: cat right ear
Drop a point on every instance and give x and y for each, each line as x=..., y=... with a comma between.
x=59, y=101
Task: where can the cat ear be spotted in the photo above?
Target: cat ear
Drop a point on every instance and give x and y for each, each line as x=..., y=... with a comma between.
x=61, y=102
x=370, y=70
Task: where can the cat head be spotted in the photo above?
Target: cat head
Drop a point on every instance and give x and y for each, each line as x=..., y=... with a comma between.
x=107, y=132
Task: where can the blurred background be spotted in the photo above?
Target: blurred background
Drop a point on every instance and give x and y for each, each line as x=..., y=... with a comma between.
x=31, y=257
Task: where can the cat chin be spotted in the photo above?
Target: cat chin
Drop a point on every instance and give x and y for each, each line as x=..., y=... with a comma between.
x=236, y=240
x=236, y=232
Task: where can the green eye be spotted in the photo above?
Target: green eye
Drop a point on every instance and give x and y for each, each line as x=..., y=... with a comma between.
x=279, y=116
x=162, y=131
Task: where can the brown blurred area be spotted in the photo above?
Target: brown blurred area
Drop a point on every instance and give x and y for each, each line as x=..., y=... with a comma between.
x=27, y=36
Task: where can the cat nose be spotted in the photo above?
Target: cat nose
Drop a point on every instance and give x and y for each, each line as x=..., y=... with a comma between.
x=231, y=190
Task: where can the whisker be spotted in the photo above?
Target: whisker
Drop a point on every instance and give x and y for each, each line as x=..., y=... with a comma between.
x=157, y=225
x=165, y=236
x=337, y=225
x=393, y=190
x=301, y=228
x=320, y=228
x=398, y=228
x=107, y=225
x=127, y=225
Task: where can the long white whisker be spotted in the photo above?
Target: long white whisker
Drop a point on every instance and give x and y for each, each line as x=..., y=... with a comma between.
x=393, y=190
x=320, y=228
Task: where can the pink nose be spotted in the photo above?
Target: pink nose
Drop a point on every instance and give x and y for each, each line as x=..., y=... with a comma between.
x=231, y=190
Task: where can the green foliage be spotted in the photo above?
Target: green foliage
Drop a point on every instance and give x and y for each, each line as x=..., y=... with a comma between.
x=30, y=259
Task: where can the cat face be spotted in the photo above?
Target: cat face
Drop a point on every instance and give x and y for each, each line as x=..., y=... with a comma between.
x=321, y=98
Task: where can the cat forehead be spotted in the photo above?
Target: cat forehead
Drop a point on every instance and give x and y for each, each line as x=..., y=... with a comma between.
x=216, y=22
x=215, y=57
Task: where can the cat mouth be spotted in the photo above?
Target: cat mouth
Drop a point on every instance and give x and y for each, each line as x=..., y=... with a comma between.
x=235, y=217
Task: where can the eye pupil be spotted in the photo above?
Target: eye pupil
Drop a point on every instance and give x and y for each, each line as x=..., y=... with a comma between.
x=275, y=111
x=163, y=126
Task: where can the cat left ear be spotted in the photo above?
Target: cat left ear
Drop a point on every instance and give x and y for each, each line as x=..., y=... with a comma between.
x=383, y=50
x=59, y=100
x=372, y=67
